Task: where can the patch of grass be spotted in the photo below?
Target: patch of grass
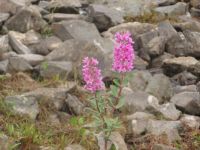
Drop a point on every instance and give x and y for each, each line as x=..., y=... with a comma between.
x=46, y=31
x=150, y=17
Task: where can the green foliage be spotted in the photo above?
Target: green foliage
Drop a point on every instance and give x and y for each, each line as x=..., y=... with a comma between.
x=46, y=31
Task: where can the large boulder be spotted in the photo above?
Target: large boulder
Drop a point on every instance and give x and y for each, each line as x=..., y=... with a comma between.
x=187, y=102
x=104, y=17
x=23, y=105
x=161, y=87
x=26, y=19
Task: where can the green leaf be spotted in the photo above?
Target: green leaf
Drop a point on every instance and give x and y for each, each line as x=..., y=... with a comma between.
x=73, y=121
x=116, y=81
x=121, y=103
x=81, y=121
x=114, y=90
x=113, y=147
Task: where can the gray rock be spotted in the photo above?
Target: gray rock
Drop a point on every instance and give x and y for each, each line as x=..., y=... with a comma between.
x=104, y=17
x=188, y=102
x=195, y=3
x=46, y=45
x=195, y=12
x=179, y=8
x=163, y=147
x=195, y=69
x=64, y=6
x=179, y=64
x=52, y=69
x=31, y=37
x=23, y=105
x=140, y=64
x=76, y=29
x=3, y=17
x=156, y=46
x=26, y=19
x=140, y=116
x=164, y=2
x=191, y=24
x=191, y=121
x=4, y=44
x=170, y=128
x=32, y=59
x=161, y=87
x=186, y=88
x=139, y=101
x=139, y=80
x=54, y=96
x=157, y=62
x=15, y=42
x=186, y=43
x=74, y=147
x=12, y=6
x=4, y=141
x=17, y=64
x=117, y=139
x=184, y=78
x=74, y=105
x=56, y=17
x=3, y=66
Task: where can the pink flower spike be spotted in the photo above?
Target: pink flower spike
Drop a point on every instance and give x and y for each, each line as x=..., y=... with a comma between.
x=124, y=55
x=92, y=75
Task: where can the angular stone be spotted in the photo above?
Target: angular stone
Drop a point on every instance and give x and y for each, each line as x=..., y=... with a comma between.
x=195, y=12
x=4, y=44
x=32, y=59
x=51, y=69
x=17, y=64
x=195, y=69
x=173, y=10
x=140, y=64
x=186, y=88
x=3, y=17
x=161, y=87
x=23, y=105
x=15, y=41
x=179, y=64
x=104, y=17
x=157, y=62
x=76, y=29
x=191, y=121
x=57, y=17
x=187, y=102
x=195, y=3
x=3, y=66
x=26, y=19
x=170, y=128
x=117, y=139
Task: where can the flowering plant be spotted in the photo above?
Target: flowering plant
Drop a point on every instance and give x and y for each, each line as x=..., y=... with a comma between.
x=104, y=106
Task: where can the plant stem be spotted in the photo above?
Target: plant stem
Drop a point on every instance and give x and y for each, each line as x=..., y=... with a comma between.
x=120, y=88
x=102, y=118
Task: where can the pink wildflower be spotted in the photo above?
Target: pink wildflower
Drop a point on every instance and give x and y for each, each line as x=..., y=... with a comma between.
x=92, y=75
x=123, y=53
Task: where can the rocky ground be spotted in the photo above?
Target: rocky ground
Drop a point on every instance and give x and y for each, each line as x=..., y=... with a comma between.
x=42, y=43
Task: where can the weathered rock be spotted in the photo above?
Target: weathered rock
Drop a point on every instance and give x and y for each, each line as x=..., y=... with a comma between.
x=17, y=64
x=184, y=78
x=32, y=59
x=192, y=25
x=31, y=37
x=164, y=2
x=12, y=6
x=3, y=66
x=104, y=17
x=169, y=128
x=74, y=147
x=4, y=44
x=195, y=12
x=186, y=88
x=3, y=17
x=187, y=102
x=195, y=69
x=46, y=45
x=55, y=96
x=140, y=64
x=140, y=116
x=195, y=3
x=26, y=19
x=179, y=64
x=56, y=17
x=163, y=147
x=23, y=105
x=52, y=69
x=179, y=8
x=64, y=6
x=191, y=121
x=76, y=29
x=74, y=105
x=160, y=86
x=15, y=42
x=118, y=141
x=156, y=46
x=186, y=43
x=139, y=80
x=158, y=61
